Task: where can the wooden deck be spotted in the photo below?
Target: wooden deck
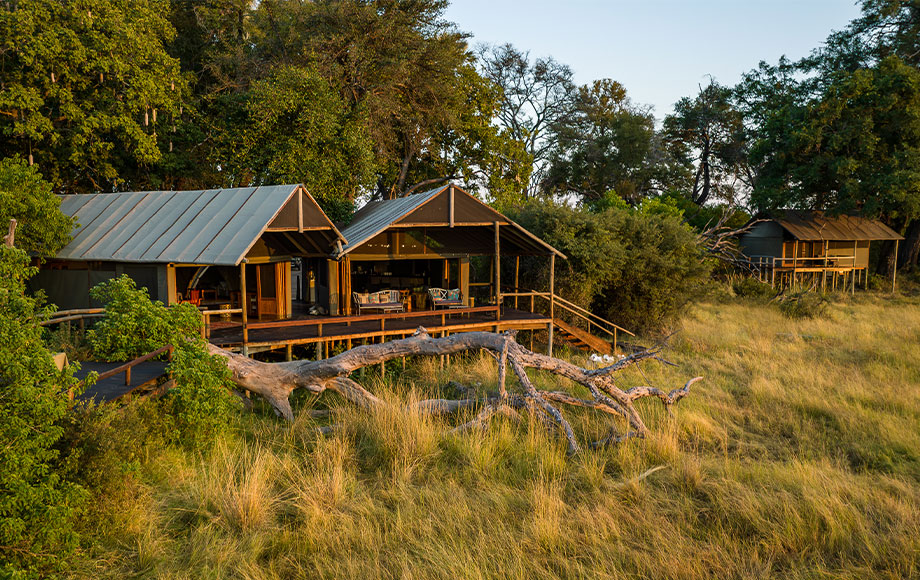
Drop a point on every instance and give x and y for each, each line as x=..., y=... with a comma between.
x=284, y=334
x=107, y=389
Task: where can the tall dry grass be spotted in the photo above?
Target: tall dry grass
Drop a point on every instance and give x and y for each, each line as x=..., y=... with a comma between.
x=797, y=457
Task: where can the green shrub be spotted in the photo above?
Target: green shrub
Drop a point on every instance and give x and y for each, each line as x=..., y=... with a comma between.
x=134, y=325
x=37, y=505
x=803, y=305
x=200, y=405
x=637, y=268
x=749, y=287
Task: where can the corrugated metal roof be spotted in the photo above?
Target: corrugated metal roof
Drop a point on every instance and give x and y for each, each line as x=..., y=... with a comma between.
x=814, y=225
x=215, y=226
x=377, y=216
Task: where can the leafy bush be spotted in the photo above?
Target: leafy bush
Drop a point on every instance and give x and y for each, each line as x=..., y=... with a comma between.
x=134, y=325
x=37, y=505
x=637, y=268
x=201, y=403
x=803, y=305
x=749, y=287
x=24, y=195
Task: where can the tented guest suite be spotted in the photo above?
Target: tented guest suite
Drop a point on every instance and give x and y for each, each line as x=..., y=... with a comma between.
x=219, y=248
x=269, y=270
x=810, y=249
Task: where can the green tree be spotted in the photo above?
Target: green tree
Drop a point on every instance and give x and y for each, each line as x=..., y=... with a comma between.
x=608, y=143
x=848, y=144
x=89, y=93
x=535, y=97
x=298, y=130
x=42, y=228
x=412, y=111
x=706, y=135
x=37, y=505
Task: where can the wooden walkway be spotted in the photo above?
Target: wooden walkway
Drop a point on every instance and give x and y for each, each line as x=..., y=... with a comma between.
x=108, y=389
x=284, y=334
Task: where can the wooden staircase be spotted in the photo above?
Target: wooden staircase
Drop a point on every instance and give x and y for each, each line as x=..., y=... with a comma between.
x=568, y=333
x=581, y=339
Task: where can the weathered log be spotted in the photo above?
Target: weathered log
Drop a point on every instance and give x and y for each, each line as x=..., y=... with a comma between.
x=276, y=381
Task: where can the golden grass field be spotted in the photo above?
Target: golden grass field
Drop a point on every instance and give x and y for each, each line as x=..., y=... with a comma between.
x=798, y=456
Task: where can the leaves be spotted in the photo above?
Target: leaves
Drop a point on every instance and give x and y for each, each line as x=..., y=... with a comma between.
x=37, y=506
x=42, y=227
x=85, y=98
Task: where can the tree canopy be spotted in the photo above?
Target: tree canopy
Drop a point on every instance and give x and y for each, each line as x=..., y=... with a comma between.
x=42, y=229
x=89, y=92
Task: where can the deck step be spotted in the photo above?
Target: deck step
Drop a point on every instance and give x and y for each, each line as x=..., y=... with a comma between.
x=582, y=338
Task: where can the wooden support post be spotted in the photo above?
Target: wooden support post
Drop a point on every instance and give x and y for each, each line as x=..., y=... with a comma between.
x=894, y=271
x=552, y=301
x=288, y=352
x=498, y=271
x=517, y=285
x=824, y=272
x=128, y=377
x=854, y=271
x=244, y=302
x=346, y=274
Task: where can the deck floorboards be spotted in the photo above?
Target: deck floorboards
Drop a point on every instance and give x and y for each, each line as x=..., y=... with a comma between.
x=114, y=387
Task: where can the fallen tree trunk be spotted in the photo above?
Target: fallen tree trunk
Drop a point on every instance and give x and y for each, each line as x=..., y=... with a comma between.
x=276, y=381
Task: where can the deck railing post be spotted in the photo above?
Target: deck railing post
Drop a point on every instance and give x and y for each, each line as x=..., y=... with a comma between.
x=552, y=301
x=244, y=302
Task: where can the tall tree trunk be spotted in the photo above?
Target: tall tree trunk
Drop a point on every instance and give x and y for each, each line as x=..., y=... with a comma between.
x=910, y=247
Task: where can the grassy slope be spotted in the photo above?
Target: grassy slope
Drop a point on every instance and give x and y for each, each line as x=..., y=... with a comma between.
x=797, y=457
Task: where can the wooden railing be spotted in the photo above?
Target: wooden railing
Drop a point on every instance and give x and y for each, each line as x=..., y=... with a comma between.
x=206, y=319
x=382, y=318
x=75, y=314
x=593, y=321
x=126, y=368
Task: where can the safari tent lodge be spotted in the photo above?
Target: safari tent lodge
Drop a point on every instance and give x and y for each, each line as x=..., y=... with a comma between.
x=270, y=271
x=808, y=249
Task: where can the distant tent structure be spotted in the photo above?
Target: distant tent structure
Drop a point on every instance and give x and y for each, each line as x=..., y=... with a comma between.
x=810, y=248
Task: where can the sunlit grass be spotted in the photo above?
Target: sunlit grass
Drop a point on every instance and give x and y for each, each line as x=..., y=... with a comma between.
x=798, y=456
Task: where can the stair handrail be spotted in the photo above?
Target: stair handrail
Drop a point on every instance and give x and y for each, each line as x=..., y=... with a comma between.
x=603, y=324
x=587, y=315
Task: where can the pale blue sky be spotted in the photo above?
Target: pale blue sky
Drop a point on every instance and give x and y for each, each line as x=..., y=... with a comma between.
x=660, y=50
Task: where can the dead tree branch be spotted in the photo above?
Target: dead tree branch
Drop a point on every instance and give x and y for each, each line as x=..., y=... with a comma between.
x=721, y=242
x=276, y=381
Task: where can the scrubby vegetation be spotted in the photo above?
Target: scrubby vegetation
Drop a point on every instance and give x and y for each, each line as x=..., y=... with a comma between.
x=37, y=503
x=797, y=457
x=636, y=267
x=200, y=404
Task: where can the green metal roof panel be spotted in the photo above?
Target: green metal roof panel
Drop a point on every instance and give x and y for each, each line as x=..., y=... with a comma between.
x=216, y=226
x=377, y=216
